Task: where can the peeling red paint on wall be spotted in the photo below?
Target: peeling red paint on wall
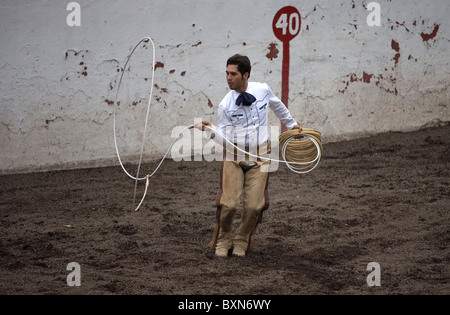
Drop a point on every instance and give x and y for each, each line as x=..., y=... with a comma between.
x=198, y=44
x=395, y=46
x=367, y=77
x=427, y=37
x=159, y=65
x=410, y=57
x=48, y=121
x=396, y=58
x=80, y=54
x=402, y=24
x=183, y=73
x=210, y=104
x=85, y=70
x=273, y=51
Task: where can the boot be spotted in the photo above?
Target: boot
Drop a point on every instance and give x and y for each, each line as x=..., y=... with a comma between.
x=241, y=240
x=224, y=239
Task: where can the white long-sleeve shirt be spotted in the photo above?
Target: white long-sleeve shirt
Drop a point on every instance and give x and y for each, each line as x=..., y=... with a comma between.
x=249, y=125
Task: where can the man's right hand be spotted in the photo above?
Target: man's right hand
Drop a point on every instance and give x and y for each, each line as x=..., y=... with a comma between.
x=201, y=125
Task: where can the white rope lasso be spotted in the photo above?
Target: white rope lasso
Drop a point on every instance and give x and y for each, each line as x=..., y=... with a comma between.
x=148, y=176
x=291, y=164
x=301, y=153
x=305, y=167
x=137, y=178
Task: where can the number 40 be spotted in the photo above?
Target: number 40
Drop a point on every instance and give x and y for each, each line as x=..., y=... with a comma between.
x=292, y=23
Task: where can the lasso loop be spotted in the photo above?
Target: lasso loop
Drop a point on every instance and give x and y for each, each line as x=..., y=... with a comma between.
x=148, y=108
x=136, y=178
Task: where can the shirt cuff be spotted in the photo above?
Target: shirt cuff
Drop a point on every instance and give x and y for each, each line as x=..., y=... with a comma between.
x=211, y=132
x=291, y=125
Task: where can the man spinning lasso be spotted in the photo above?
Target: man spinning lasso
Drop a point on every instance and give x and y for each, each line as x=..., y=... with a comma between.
x=243, y=120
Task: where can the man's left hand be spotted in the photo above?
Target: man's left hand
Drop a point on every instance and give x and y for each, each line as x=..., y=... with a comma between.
x=298, y=127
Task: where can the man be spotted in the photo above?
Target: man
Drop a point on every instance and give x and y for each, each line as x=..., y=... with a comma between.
x=243, y=120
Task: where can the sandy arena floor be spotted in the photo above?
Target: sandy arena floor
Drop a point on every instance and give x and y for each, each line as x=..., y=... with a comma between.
x=382, y=199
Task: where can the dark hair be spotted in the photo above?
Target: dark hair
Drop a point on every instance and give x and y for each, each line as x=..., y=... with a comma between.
x=242, y=62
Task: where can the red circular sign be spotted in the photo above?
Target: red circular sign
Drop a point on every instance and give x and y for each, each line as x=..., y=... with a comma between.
x=287, y=23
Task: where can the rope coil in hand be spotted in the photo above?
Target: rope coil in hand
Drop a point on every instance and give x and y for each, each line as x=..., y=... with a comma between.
x=301, y=152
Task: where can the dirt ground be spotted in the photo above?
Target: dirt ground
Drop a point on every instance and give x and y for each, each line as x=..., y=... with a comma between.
x=381, y=199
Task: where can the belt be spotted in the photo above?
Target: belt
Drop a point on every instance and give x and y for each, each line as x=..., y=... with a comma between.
x=263, y=149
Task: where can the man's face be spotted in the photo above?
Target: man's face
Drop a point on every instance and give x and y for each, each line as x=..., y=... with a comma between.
x=236, y=81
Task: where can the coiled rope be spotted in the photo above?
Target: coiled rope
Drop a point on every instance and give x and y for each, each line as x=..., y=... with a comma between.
x=301, y=152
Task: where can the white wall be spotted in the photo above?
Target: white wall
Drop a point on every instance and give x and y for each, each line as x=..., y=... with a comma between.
x=347, y=79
